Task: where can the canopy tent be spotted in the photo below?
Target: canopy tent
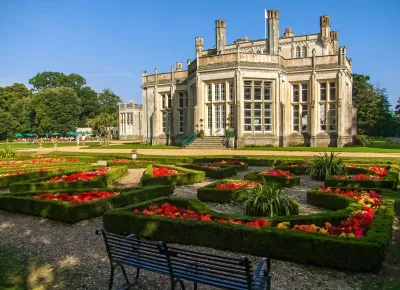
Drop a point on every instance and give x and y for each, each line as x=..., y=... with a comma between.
x=19, y=135
x=55, y=134
x=85, y=133
x=72, y=133
x=30, y=135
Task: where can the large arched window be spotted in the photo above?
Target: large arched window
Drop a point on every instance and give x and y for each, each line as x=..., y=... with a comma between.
x=298, y=52
x=304, y=51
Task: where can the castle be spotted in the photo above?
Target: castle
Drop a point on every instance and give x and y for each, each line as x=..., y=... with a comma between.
x=283, y=90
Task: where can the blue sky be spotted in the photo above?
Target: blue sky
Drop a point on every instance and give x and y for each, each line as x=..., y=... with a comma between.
x=111, y=42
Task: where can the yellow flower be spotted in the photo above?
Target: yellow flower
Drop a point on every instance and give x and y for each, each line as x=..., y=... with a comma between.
x=343, y=235
x=323, y=231
x=284, y=225
x=352, y=235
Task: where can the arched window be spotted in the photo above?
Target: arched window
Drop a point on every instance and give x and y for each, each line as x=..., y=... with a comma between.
x=304, y=51
x=298, y=52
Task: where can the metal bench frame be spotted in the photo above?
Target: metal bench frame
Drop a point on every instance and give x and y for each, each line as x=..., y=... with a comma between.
x=179, y=264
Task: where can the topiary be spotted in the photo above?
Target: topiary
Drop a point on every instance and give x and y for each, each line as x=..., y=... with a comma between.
x=323, y=166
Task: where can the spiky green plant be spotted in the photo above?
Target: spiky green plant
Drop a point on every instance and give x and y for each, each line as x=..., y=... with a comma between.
x=7, y=153
x=268, y=199
x=323, y=166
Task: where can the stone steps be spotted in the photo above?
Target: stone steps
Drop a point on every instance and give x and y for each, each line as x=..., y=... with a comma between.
x=212, y=142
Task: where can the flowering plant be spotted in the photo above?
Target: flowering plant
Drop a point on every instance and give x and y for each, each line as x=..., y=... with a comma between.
x=163, y=171
x=211, y=166
x=277, y=172
x=359, y=177
x=121, y=160
x=76, y=197
x=236, y=185
x=171, y=211
x=381, y=171
x=80, y=176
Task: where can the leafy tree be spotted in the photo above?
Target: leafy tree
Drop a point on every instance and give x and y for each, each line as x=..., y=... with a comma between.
x=11, y=94
x=101, y=126
x=109, y=102
x=56, y=80
x=397, y=109
x=89, y=104
x=56, y=110
x=7, y=126
x=24, y=116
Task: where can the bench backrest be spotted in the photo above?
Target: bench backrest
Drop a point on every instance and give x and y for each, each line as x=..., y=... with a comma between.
x=214, y=270
x=134, y=251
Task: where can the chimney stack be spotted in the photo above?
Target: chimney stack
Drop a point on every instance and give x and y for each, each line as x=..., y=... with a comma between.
x=220, y=35
x=288, y=32
x=273, y=31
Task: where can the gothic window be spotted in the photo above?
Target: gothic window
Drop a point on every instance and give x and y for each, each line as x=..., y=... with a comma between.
x=298, y=52
x=300, y=108
x=304, y=51
x=180, y=100
x=328, y=106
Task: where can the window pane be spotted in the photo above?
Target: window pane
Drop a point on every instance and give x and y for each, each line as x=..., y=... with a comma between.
x=304, y=118
x=322, y=95
x=267, y=91
x=180, y=100
x=223, y=116
x=181, y=121
x=209, y=117
x=257, y=91
x=298, y=52
x=304, y=89
x=223, y=91
x=232, y=116
x=322, y=119
x=247, y=118
x=267, y=117
x=295, y=94
x=218, y=115
x=164, y=121
x=169, y=102
x=217, y=92
x=332, y=117
x=231, y=91
x=295, y=118
x=332, y=91
x=304, y=51
x=247, y=93
x=163, y=98
x=209, y=92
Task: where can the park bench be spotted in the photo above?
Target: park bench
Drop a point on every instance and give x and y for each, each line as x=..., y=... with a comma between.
x=199, y=268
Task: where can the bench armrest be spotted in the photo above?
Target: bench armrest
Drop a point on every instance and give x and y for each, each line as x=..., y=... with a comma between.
x=263, y=262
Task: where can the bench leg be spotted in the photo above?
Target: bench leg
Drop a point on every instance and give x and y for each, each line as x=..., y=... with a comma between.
x=195, y=286
x=110, y=284
x=175, y=282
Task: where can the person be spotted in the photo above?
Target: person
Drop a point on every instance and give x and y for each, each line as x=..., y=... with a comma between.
x=83, y=139
x=77, y=140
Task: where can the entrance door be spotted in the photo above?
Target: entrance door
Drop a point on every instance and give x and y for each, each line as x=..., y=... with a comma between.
x=219, y=119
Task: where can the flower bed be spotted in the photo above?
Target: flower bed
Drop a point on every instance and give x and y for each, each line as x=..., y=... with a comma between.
x=185, y=176
x=75, y=180
x=294, y=168
x=213, y=170
x=371, y=170
x=363, y=254
x=72, y=212
x=390, y=180
x=240, y=165
x=279, y=176
x=224, y=191
x=164, y=171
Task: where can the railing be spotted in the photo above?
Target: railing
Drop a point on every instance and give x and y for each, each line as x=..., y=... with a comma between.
x=188, y=140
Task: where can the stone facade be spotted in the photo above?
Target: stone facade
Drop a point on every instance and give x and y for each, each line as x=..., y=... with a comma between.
x=130, y=121
x=284, y=90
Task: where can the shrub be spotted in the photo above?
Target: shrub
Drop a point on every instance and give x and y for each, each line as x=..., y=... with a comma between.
x=225, y=171
x=7, y=153
x=321, y=167
x=269, y=200
x=363, y=140
x=188, y=176
x=72, y=213
x=209, y=193
x=297, y=170
x=287, y=182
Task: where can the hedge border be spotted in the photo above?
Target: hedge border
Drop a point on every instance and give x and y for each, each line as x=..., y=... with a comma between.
x=364, y=254
x=72, y=213
x=189, y=176
x=209, y=193
x=287, y=182
x=296, y=170
x=224, y=172
x=101, y=181
x=390, y=181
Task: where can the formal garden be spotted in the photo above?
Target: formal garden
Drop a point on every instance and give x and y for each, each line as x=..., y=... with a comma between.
x=323, y=222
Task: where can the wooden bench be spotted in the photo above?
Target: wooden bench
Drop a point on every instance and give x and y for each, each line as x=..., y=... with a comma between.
x=199, y=268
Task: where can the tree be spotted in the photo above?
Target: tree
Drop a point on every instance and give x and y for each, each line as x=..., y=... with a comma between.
x=109, y=102
x=56, y=110
x=56, y=80
x=397, y=109
x=24, y=116
x=11, y=94
x=7, y=126
x=101, y=126
x=90, y=106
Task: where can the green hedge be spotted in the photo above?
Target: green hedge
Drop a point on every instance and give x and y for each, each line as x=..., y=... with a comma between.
x=287, y=182
x=364, y=254
x=131, y=164
x=358, y=170
x=189, y=176
x=6, y=181
x=296, y=170
x=209, y=193
x=72, y=213
x=390, y=181
x=225, y=171
x=101, y=181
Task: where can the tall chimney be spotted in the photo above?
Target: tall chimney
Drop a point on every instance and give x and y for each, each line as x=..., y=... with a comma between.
x=273, y=31
x=220, y=35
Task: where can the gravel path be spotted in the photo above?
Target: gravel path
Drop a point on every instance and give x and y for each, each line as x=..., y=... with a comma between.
x=131, y=179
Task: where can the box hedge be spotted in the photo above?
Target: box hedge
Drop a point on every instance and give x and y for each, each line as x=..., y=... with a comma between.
x=287, y=182
x=6, y=181
x=390, y=181
x=209, y=193
x=296, y=170
x=225, y=171
x=40, y=184
x=364, y=254
x=188, y=176
x=72, y=213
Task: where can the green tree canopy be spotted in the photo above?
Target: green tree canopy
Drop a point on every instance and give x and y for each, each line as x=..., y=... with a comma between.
x=56, y=80
x=101, y=125
x=7, y=127
x=90, y=106
x=11, y=94
x=56, y=110
x=397, y=109
x=109, y=102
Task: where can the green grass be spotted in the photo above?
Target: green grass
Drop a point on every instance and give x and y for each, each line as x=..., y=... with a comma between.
x=376, y=147
x=20, y=270
x=96, y=145
x=36, y=146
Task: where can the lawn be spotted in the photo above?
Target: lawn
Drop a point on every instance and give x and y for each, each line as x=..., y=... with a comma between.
x=376, y=147
x=35, y=145
x=96, y=145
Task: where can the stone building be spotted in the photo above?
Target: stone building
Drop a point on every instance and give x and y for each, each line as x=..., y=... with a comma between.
x=283, y=90
x=130, y=121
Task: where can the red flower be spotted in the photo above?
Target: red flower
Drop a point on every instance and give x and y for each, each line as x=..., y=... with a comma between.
x=277, y=172
x=76, y=197
x=235, y=185
x=80, y=176
x=163, y=171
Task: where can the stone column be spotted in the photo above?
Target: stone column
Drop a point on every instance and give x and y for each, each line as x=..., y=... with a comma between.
x=341, y=90
x=314, y=122
x=239, y=103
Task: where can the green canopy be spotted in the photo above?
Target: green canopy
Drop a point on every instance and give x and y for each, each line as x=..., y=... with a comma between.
x=19, y=135
x=55, y=134
x=72, y=133
x=30, y=135
x=85, y=133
